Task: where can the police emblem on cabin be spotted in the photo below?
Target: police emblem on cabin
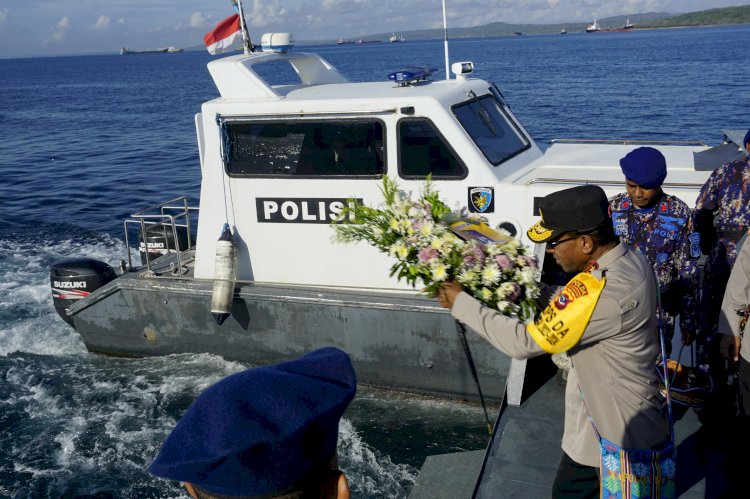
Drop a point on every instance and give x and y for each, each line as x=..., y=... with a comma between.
x=481, y=199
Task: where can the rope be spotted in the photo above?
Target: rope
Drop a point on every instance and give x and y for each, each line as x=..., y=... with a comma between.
x=226, y=140
x=667, y=381
x=462, y=334
x=226, y=159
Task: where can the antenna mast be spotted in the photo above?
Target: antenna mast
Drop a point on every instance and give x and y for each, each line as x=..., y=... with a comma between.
x=247, y=43
x=445, y=42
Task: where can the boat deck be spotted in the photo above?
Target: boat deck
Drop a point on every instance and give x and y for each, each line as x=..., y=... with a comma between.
x=523, y=455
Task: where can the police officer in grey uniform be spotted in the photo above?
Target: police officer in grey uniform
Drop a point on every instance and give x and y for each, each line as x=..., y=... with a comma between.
x=735, y=308
x=732, y=322
x=613, y=363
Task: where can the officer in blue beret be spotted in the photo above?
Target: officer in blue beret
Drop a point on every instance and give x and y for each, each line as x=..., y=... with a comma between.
x=660, y=226
x=265, y=432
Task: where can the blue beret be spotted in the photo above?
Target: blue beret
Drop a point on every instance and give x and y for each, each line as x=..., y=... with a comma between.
x=747, y=139
x=263, y=431
x=645, y=166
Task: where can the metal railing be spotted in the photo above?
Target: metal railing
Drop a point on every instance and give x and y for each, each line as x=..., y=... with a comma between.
x=602, y=183
x=629, y=142
x=167, y=216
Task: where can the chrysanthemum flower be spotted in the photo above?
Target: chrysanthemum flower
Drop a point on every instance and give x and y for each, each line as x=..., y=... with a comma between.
x=439, y=272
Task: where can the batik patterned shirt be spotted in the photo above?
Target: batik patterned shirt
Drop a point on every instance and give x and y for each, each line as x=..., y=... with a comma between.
x=664, y=234
x=726, y=195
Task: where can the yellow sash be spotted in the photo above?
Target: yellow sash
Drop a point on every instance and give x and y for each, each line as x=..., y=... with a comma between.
x=560, y=326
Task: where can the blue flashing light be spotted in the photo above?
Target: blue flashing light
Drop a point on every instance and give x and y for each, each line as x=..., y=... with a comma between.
x=411, y=74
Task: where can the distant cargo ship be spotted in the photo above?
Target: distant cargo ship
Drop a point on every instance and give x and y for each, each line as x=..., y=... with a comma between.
x=126, y=51
x=595, y=28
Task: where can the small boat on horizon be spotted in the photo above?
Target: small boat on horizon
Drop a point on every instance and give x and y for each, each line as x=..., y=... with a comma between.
x=563, y=31
x=396, y=38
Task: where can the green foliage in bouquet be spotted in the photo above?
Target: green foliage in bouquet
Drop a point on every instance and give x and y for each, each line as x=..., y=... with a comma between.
x=502, y=275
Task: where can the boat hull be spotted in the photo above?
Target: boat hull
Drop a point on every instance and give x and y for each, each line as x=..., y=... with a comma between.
x=403, y=342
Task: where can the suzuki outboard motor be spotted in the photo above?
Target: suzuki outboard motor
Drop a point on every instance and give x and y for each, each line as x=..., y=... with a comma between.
x=74, y=278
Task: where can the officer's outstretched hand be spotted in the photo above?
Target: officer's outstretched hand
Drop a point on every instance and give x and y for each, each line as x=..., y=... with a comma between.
x=730, y=347
x=448, y=292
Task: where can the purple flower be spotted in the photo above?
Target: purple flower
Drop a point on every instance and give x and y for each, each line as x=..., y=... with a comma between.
x=530, y=262
x=515, y=294
x=427, y=254
x=503, y=262
x=473, y=255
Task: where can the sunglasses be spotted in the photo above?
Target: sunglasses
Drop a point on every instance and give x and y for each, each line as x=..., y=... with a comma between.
x=554, y=244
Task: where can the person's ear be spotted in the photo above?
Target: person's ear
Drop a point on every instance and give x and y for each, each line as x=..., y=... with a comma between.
x=342, y=487
x=587, y=244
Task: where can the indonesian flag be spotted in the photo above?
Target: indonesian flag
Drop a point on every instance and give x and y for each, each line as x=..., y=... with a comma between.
x=226, y=36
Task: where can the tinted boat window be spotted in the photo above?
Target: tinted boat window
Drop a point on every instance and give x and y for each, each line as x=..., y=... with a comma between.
x=490, y=128
x=423, y=151
x=331, y=148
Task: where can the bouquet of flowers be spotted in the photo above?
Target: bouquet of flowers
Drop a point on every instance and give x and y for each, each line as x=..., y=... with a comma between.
x=501, y=275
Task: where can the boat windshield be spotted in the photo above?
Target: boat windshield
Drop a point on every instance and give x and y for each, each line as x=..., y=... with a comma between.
x=490, y=127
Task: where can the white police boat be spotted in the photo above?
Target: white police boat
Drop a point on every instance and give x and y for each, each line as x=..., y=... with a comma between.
x=278, y=163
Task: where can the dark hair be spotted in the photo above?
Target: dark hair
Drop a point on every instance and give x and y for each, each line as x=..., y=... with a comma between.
x=604, y=234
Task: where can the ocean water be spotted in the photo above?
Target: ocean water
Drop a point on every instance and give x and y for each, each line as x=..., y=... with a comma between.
x=84, y=141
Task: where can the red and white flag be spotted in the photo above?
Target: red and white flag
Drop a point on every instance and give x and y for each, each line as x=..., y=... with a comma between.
x=226, y=36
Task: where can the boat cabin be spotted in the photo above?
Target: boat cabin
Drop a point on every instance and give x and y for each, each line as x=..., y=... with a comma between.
x=280, y=158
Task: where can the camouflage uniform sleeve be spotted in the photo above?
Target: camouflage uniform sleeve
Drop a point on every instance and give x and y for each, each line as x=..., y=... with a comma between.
x=708, y=197
x=688, y=277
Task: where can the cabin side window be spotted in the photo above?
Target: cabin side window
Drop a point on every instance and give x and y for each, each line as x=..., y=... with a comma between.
x=330, y=148
x=423, y=151
x=491, y=129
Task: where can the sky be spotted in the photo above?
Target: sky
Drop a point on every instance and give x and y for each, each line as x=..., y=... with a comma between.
x=65, y=27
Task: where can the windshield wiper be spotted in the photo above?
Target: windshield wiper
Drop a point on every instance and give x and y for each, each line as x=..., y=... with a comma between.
x=482, y=113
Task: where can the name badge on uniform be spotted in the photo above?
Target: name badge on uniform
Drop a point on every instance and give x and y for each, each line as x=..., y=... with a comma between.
x=620, y=223
x=669, y=227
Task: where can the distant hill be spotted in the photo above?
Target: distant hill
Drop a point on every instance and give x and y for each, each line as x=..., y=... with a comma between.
x=727, y=15
x=500, y=28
